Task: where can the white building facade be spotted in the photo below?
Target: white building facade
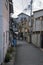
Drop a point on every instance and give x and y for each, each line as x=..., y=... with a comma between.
x=4, y=28
x=37, y=36
x=22, y=16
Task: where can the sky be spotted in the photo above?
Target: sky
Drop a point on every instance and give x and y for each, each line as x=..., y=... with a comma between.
x=20, y=5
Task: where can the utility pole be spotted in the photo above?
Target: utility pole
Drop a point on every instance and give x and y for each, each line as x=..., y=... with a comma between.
x=31, y=21
x=30, y=8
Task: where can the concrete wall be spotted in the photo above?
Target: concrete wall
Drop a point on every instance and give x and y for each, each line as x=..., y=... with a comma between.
x=36, y=36
x=36, y=39
x=1, y=30
x=34, y=25
x=0, y=7
x=4, y=28
x=37, y=25
x=1, y=40
x=5, y=25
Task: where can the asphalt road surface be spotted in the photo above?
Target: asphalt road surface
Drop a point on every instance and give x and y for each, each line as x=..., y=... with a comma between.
x=27, y=54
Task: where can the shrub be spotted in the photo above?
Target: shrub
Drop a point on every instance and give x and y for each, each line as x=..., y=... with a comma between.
x=7, y=57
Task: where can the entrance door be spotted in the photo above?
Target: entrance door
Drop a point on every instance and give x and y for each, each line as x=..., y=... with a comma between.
x=42, y=40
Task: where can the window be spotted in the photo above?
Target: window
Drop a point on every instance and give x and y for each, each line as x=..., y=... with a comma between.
x=25, y=19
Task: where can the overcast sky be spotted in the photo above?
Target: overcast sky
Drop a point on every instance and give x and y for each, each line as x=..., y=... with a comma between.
x=20, y=5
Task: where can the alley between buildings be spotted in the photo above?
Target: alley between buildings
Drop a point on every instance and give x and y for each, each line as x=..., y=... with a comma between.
x=27, y=54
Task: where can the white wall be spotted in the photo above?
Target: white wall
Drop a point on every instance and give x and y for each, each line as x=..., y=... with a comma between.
x=37, y=25
x=4, y=26
x=1, y=30
x=34, y=25
x=0, y=7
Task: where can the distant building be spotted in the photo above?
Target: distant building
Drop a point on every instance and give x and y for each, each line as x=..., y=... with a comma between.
x=23, y=20
x=4, y=28
x=22, y=16
x=15, y=25
x=37, y=36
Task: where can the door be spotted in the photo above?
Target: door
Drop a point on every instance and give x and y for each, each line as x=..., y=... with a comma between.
x=42, y=40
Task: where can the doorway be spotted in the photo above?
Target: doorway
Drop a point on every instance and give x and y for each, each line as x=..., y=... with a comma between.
x=41, y=39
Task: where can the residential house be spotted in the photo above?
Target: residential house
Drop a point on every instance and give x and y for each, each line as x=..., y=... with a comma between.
x=4, y=28
x=23, y=20
x=22, y=16
x=37, y=36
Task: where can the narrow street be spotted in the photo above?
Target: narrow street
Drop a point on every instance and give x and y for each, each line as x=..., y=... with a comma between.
x=27, y=54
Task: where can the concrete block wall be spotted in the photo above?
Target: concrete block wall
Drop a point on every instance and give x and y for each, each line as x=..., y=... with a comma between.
x=36, y=39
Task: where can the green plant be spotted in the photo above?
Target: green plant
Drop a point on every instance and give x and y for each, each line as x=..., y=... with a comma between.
x=7, y=57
